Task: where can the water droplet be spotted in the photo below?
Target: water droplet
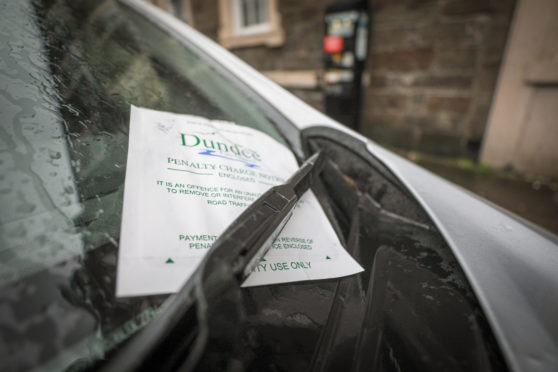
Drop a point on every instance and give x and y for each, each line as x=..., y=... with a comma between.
x=54, y=154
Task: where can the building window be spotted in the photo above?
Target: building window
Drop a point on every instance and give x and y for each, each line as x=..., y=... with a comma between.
x=249, y=22
x=251, y=17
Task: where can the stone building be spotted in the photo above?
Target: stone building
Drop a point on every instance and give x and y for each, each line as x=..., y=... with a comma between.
x=430, y=74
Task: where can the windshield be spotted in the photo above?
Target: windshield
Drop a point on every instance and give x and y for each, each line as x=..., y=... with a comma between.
x=69, y=73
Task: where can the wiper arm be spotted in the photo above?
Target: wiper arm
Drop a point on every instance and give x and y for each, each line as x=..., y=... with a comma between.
x=250, y=236
x=178, y=336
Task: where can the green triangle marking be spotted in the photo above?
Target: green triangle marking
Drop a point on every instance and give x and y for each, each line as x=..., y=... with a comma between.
x=169, y=260
x=328, y=258
x=263, y=259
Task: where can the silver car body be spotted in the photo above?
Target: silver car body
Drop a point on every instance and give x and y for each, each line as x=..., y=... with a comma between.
x=511, y=265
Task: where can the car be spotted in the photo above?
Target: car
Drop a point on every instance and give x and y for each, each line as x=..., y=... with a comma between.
x=450, y=281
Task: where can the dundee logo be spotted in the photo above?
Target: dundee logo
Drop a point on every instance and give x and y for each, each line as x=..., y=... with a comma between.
x=230, y=151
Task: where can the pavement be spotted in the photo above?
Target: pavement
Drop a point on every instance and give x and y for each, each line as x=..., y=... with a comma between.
x=534, y=199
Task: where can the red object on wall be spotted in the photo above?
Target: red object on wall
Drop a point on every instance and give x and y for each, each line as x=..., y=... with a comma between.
x=333, y=44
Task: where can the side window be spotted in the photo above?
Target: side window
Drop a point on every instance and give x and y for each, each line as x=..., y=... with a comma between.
x=250, y=22
x=412, y=308
x=181, y=9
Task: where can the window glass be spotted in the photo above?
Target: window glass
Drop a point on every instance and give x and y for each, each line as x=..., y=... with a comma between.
x=251, y=16
x=254, y=12
x=69, y=72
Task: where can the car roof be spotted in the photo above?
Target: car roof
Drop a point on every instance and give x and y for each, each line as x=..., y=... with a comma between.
x=511, y=267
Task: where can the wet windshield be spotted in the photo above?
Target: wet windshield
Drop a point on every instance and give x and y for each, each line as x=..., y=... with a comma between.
x=69, y=72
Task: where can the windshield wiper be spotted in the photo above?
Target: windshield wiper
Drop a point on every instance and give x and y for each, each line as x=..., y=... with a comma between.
x=208, y=305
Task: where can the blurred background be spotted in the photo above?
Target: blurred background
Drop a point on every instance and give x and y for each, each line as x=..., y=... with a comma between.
x=465, y=88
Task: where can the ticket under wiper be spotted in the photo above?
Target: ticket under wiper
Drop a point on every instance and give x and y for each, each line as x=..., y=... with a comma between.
x=187, y=179
x=245, y=242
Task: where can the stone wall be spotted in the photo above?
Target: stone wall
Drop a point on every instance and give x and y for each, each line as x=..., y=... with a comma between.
x=302, y=22
x=432, y=65
x=206, y=17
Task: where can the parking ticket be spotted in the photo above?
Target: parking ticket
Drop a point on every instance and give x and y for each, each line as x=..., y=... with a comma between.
x=187, y=179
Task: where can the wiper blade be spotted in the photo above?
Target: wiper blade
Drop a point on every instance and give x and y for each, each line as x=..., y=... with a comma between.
x=250, y=236
x=177, y=338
